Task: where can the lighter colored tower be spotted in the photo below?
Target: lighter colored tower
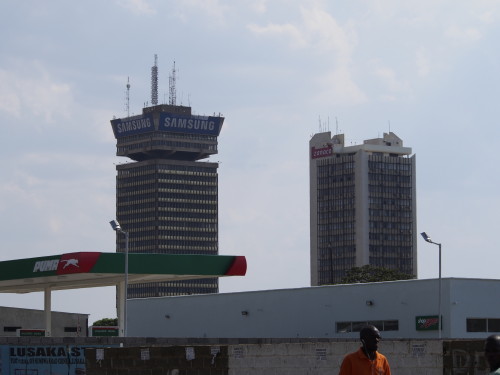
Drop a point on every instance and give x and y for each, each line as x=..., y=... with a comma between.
x=362, y=206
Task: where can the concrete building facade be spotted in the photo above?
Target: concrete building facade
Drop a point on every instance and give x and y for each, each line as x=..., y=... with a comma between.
x=63, y=324
x=362, y=206
x=167, y=197
x=400, y=309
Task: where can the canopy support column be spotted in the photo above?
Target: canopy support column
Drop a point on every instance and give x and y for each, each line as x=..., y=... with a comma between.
x=48, y=315
x=121, y=298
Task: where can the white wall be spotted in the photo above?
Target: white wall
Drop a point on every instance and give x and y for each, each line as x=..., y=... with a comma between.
x=314, y=311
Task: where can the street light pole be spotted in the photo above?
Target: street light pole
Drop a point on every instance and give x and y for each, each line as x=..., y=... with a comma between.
x=428, y=239
x=117, y=228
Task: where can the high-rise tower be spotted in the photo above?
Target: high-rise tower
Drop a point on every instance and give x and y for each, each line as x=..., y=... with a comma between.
x=167, y=198
x=362, y=206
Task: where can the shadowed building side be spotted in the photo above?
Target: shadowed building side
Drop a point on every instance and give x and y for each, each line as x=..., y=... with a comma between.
x=362, y=206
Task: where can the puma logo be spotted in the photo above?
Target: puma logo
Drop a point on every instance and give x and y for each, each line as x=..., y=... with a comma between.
x=70, y=262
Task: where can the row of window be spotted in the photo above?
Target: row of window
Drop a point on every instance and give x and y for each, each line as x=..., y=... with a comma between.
x=374, y=200
x=373, y=177
x=66, y=329
x=173, y=213
x=166, y=177
x=389, y=213
x=390, y=167
x=167, y=249
x=389, y=237
x=183, y=185
x=148, y=169
x=142, y=195
x=472, y=325
x=166, y=202
x=399, y=191
x=336, y=226
x=178, y=243
x=398, y=225
x=339, y=181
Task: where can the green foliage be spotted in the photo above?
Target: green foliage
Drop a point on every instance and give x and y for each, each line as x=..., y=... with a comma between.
x=106, y=322
x=371, y=274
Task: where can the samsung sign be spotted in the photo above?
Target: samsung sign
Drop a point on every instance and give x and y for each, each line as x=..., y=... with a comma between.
x=132, y=125
x=168, y=123
x=190, y=124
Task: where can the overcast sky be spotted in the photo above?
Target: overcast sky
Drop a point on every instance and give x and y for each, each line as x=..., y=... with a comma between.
x=277, y=69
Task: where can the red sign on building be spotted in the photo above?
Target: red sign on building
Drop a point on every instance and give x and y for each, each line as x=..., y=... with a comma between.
x=322, y=152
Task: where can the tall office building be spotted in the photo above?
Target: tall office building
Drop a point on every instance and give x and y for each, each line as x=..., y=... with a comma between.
x=166, y=196
x=362, y=206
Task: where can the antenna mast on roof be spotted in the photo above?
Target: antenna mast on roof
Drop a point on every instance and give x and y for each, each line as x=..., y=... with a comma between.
x=127, y=98
x=154, y=82
x=172, y=98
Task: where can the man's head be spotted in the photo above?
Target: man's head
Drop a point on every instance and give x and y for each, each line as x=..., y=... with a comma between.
x=370, y=337
x=492, y=351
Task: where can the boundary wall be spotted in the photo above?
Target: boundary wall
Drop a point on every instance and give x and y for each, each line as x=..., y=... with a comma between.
x=161, y=356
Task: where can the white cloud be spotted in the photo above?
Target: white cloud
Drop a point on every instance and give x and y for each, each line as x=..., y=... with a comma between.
x=36, y=93
x=213, y=10
x=463, y=35
x=323, y=37
x=338, y=86
x=259, y=6
x=297, y=38
x=137, y=6
x=390, y=80
x=318, y=30
x=423, y=62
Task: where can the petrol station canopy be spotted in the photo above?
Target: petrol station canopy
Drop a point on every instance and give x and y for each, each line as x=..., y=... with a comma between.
x=95, y=269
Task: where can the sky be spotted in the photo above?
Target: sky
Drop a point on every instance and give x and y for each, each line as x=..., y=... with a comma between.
x=279, y=71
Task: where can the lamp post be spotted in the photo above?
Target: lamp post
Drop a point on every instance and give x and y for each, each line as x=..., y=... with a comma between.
x=428, y=239
x=117, y=228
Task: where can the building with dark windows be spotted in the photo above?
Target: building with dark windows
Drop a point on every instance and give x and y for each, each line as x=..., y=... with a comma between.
x=166, y=196
x=362, y=206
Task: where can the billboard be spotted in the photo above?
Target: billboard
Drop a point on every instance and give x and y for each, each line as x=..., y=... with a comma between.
x=133, y=125
x=168, y=122
x=28, y=360
x=207, y=125
x=322, y=152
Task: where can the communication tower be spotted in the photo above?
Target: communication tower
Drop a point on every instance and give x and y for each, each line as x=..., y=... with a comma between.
x=154, y=82
x=127, y=98
x=171, y=85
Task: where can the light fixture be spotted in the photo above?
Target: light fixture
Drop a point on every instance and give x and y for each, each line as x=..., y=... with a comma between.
x=369, y=303
x=244, y=312
x=115, y=225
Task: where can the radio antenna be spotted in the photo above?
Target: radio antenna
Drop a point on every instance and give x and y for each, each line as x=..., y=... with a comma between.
x=154, y=82
x=171, y=86
x=127, y=97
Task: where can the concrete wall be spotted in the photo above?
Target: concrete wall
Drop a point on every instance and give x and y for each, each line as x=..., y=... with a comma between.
x=158, y=356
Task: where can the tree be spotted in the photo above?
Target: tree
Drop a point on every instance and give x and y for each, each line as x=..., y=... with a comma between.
x=371, y=274
x=106, y=322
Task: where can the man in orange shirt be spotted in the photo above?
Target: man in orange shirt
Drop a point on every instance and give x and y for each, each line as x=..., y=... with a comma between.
x=366, y=361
